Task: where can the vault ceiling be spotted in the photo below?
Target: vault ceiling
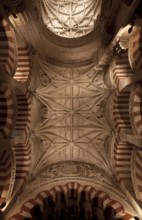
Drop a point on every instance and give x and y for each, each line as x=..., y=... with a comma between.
x=70, y=123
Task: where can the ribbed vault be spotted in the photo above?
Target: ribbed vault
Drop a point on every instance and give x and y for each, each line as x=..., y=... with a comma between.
x=71, y=125
x=69, y=19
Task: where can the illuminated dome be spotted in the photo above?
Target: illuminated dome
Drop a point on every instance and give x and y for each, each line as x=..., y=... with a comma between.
x=70, y=18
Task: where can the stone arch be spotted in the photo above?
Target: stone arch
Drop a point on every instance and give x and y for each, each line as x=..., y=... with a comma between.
x=76, y=198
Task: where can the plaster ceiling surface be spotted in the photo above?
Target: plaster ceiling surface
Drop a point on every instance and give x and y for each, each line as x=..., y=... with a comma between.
x=68, y=120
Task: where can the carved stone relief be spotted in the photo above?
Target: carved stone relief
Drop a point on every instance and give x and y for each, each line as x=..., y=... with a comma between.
x=75, y=169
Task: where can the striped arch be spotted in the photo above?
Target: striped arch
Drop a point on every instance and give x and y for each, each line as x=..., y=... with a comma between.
x=121, y=116
x=6, y=110
x=29, y=103
x=137, y=173
x=120, y=69
x=23, y=67
x=7, y=174
x=15, y=109
x=23, y=114
x=22, y=154
x=121, y=150
x=136, y=108
x=73, y=190
x=135, y=49
x=121, y=154
x=8, y=49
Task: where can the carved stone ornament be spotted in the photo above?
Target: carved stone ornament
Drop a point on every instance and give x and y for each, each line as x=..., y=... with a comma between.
x=75, y=169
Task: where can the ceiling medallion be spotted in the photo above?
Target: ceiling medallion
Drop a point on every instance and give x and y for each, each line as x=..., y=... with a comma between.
x=70, y=19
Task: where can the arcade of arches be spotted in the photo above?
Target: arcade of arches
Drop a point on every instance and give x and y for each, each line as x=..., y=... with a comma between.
x=70, y=109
